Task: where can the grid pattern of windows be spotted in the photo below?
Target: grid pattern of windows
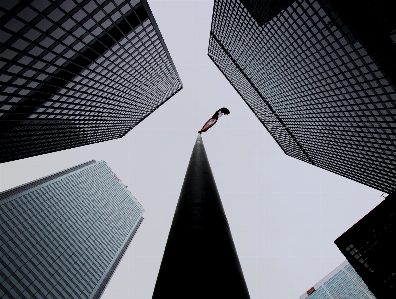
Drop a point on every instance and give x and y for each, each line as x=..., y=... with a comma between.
x=325, y=92
x=64, y=238
x=78, y=72
x=24, y=187
x=342, y=283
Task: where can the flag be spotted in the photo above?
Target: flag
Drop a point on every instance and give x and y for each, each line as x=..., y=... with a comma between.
x=210, y=123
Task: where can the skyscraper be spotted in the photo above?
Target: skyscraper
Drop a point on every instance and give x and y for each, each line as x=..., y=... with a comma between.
x=320, y=76
x=200, y=259
x=341, y=283
x=63, y=236
x=369, y=247
x=78, y=72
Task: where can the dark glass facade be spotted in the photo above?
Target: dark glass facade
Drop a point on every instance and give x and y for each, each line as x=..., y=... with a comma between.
x=78, y=72
x=63, y=236
x=369, y=246
x=320, y=76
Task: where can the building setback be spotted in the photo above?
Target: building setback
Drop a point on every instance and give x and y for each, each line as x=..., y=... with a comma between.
x=369, y=247
x=320, y=76
x=342, y=282
x=78, y=72
x=63, y=236
x=200, y=259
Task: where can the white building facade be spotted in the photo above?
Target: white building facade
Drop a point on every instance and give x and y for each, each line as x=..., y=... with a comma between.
x=341, y=283
x=64, y=235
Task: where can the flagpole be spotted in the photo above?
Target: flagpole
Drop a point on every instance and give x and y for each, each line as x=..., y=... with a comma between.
x=200, y=259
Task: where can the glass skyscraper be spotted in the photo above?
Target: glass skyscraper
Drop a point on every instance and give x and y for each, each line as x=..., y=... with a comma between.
x=63, y=236
x=341, y=283
x=320, y=76
x=369, y=247
x=78, y=72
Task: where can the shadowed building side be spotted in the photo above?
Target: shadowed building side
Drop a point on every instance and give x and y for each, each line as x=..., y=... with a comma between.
x=320, y=76
x=200, y=259
x=369, y=247
x=76, y=73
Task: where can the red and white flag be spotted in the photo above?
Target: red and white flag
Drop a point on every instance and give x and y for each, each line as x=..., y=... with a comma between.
x=210, y=123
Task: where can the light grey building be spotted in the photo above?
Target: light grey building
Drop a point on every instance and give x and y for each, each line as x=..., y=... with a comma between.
x=63, y=236
x=341, y=283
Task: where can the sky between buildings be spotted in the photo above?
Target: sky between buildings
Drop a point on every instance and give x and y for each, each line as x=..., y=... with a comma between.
x=284, y=214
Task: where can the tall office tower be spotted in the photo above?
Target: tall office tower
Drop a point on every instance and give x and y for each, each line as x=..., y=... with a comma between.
x=200, y=259
x=63, y=236
x=369, y=247
x=320, y=76
x=78, y=72
x=341, y=283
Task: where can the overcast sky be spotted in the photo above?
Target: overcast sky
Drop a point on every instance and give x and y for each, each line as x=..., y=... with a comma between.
x=284, y=214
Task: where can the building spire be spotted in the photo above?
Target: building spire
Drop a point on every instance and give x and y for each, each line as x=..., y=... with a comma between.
x=200, y=259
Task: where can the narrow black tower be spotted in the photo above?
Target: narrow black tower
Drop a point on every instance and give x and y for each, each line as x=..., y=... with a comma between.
x=200, y=259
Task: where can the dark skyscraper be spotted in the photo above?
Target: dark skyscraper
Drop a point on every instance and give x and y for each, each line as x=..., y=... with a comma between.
x=200, y=259
x=78, y=72
x=63, y=236
x=369, y=246
x=320, y=76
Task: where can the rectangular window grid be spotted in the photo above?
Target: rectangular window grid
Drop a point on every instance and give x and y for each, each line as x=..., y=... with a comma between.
x=65, y=237
x=323, y=89
x=78, y=72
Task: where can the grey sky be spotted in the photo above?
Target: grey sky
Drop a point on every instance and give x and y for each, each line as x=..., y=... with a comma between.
x=284, y=214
